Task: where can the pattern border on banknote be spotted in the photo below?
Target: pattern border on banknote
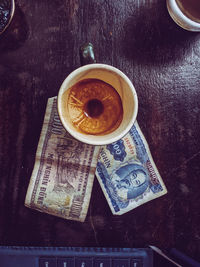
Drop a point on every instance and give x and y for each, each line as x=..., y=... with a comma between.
x=42, y=154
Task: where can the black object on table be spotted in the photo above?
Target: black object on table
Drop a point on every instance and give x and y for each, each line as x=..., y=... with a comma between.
x=75, y=257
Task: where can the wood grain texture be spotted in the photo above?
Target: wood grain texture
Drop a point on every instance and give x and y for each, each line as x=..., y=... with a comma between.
x=38, y=50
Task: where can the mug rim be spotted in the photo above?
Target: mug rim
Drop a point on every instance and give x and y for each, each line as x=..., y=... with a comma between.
x=176, y=13
x=81, y=136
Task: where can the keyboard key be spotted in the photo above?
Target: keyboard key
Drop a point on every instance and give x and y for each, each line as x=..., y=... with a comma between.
x=121, y=263
x=102, y=262
x=84, y=262
x=136, y=263
x=47, y=262
x=65, y=262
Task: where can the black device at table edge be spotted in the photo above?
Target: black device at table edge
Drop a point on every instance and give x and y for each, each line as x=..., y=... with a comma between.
x=176, y=257
x=16, y=256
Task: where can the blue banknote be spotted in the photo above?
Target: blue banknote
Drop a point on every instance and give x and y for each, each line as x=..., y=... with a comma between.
x=127, y=173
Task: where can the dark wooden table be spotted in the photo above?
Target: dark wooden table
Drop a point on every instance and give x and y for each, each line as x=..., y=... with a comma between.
x=38, y=50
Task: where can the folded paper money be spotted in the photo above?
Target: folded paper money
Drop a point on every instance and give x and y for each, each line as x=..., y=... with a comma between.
x=64, y=170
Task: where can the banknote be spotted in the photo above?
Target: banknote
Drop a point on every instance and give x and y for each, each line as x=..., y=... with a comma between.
x=64, y=170
x=127, y=173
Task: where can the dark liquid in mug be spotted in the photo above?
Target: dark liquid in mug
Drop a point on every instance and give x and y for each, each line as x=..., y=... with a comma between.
x=190, y=8
x=94, y=107
x=5, y=11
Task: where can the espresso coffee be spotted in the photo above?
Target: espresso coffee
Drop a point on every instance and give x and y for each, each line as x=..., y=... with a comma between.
x=94, y=107
x=190, y=8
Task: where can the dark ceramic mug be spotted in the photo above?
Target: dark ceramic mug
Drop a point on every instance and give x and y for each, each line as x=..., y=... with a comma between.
x=7, y=8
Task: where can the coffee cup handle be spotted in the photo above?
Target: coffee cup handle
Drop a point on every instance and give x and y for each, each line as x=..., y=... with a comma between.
x=87, y=54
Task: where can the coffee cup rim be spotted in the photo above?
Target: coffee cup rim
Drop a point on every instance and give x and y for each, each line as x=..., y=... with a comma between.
x=187, y=22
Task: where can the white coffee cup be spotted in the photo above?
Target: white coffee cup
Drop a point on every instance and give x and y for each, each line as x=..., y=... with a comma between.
x=122, y=85
x=181, y=18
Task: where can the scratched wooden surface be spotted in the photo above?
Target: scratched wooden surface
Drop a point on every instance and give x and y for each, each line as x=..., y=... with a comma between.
x=38, y=50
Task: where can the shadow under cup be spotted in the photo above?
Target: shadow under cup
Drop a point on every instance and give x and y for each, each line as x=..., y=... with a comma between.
x=122, y=85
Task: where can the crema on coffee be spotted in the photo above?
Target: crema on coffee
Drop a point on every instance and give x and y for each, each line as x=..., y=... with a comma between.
x=94, y=107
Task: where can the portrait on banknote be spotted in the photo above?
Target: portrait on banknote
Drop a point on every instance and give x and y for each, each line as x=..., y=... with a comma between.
x=130, y=181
